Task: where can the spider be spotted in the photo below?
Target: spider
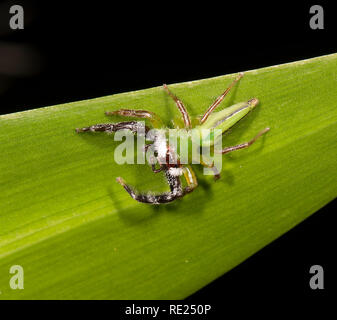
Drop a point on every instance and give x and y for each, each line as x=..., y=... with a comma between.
x=166, y=156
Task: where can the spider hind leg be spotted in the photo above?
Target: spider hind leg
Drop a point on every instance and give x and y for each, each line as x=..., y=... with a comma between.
x=219, y=99
x=245, y=144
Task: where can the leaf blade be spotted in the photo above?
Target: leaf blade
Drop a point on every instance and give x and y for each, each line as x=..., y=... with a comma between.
x=79, y=235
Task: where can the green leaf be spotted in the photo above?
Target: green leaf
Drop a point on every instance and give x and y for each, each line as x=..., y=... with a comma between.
x=79, y=235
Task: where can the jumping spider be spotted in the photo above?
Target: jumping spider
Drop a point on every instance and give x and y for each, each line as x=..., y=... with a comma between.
x=167, y=158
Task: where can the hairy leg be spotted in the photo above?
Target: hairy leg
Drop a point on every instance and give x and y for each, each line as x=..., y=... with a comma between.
x=219, y=99
x=180, y=106
x=133, y=126
x=245, y=144
x=154, y=118
x=176, y=191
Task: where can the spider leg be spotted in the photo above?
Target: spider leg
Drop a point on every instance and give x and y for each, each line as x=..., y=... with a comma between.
x=190, y=178
x=219, y=99
x=176, y=191
x=245, y=144
x=180, y=106
x=204, y=164
x=154, y=118
x=133, y=126
x=212, y=167
x=161, y=168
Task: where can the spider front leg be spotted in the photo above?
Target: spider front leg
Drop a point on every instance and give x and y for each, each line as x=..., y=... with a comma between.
x=176, y=191
x=133, y=126
x=245, y=144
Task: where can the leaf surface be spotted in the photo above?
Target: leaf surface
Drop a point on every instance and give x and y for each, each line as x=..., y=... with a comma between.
x=79, y=235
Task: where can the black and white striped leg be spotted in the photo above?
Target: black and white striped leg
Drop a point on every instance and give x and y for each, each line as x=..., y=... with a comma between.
x=176, y=191
x=133, y=126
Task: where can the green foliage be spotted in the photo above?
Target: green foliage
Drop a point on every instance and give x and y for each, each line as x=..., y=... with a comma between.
x=79, y=235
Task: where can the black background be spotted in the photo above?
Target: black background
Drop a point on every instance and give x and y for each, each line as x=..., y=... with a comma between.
x=81, y=50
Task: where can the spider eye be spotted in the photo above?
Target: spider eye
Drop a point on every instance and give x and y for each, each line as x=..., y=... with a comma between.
x=155, y=153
